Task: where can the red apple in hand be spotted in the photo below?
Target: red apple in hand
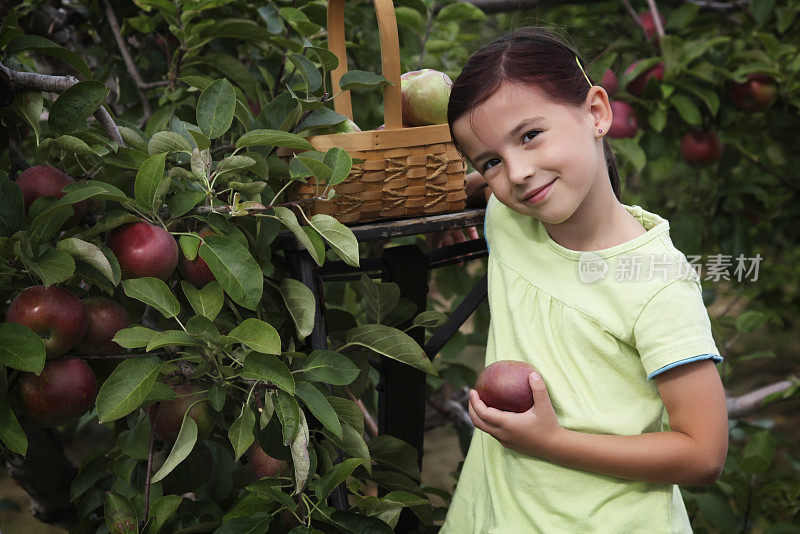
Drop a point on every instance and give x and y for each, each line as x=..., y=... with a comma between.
x=144, y=250
x=170, y=413
x=55, y=314
x=196, y=271
x=106, y=318
x=701, y=148
x=263, y=465
x=64, y=391
x=623, y=121
x=504, y=385
x=425, y=94
x=44, y=180
x=756, y=94
x=637, y=85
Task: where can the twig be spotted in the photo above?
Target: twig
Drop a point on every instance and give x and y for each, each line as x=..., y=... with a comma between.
x=129, y=64
x=18, y=161
x=58, y=84
x=632, y=12
x=656, y=17
x=150, y=462
x=372, y=427
x=744, y=404
x=254, y=206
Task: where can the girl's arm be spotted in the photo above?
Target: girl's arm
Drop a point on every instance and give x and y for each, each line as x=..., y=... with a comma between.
x=692, y=453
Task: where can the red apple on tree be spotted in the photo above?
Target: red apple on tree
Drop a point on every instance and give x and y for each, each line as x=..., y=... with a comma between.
x=106, y=318
x=504, y=385
x=55, y=314
x=425, y=94
x=170, y=413
x=610, y=82
x=44, y=180
x=649, y=23
x=263, y=465
x=62, y=392
x=637, y=85
x=701, y=148
x=143, y=249
x=196, y=271
x=623, y=122
x=756, y=94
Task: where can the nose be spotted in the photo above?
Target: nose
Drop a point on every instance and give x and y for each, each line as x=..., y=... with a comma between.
x=519, y=169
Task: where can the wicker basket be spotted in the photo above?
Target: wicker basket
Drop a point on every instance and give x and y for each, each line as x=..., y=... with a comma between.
x=406, y=172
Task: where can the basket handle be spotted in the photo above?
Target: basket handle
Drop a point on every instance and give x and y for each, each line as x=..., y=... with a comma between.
x=390, y=60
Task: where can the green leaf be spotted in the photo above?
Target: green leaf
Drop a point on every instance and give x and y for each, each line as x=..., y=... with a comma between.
x=73, y=106
x=686, y=109
x=134, y=337
x=300, y=302
x=359, y=79
x=336, y=476
x=215, y=108
x=127, y=387
x=91, y=254
x=317, y=169
x=301, y=461
x=395, y=453
x=180, y=203
x=10, y=432
x=319, y=406
x=338, y=236
x=168, y=142
x=207, y=301
x=350, y=414
x=120, y=515
x=29, y=106
x=289, y=219
x=330, y=367
x=147, y=187
x=184, y=443
x=153, y=292
x=170, y=338
x=12, y=208
x=234, y=164
x=459, y=11
x=430, y=319
x=235, y=269
x=257, y=335
x=391, y=343
x=353, y=443
x=53, y=266
x=110, y=220
x=288, y=414
x=241, y=432
x=45, y=46
x=340, y=163
x=750, y=321
x=307, y=69
x=200, y=140
x=268, y=368
x=256, y=524
x=759, y=453
x=273, y=138
x=630, y=150
x=381, y=298
x=73, y=145
x=161, y=510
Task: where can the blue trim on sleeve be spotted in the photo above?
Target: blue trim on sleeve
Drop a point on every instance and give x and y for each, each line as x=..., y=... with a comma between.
x=717, y=358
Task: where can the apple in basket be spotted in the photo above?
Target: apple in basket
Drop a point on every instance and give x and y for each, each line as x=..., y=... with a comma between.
x=346, y=126
x=425, y=94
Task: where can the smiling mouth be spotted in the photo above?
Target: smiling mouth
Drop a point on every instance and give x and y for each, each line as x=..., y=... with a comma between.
x=535, y=191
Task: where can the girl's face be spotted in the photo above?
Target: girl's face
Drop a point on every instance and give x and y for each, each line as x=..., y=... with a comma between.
x=522, y=142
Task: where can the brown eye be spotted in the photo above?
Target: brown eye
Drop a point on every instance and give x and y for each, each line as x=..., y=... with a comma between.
x=530, y=135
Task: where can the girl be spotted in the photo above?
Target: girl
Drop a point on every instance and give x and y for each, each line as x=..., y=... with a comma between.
x=627, y=401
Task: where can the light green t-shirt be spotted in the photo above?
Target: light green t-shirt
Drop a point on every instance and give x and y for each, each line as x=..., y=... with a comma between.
x=598, y=326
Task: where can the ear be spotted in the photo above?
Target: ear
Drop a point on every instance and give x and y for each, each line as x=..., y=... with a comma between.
x=600, y=108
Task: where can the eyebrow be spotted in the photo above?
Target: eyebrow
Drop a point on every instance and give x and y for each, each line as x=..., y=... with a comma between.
x=521, y=127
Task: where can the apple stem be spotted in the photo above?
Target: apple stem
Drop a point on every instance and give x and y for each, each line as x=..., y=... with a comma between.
x=150, y=463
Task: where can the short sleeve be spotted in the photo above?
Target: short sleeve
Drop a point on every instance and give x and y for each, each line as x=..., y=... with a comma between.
x=673, y=328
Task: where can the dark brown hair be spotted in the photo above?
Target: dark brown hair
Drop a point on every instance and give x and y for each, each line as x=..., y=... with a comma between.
x=532, y=56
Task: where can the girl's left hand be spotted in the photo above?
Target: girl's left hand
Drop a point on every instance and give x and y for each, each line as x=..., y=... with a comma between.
x=535, y=432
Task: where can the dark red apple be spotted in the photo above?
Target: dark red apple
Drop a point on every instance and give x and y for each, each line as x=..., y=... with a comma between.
x=756, y=94
x=170, y=413
x=504, y=385
x=106, y=318
x=55, y=314
x=649, y=23
x=64, y=391
x=623, y=122
x=610, y=82
x=196, y=271
x=637, y=85
x=44, y=180
x=263, y=465
x=143, y=249
x=701, y=148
